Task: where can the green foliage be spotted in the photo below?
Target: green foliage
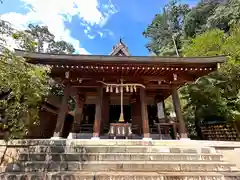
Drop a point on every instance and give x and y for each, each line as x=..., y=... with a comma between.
x=6, y=32
x=5, y=28
x=218, y=93
x=165, y=28
x=40, y=34
x=60, y=47
x=25, y=85
x=215, y=42
x=212, y=14
x=38, y=38
x=158, y=40
x=225, y=15
x=178, y=22
x=231, y=45
x=206, y=44
x=196, y=20
x=25, y=41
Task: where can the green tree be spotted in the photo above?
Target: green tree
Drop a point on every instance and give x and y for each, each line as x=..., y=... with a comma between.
x=5, y=28
x=41, y=35
x=216, y=42
x=218, y=93
x=22, y=90
x=225, y=15
x=24, y=86
x=42, y=40
x=5, y=32
x=165, y=31
x=196, y=20
x=207, y=44
x=211, y=14
x=24, y=41
x=39, y=39
x=60, y=47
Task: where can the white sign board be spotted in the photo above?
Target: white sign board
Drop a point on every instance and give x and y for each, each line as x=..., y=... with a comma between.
x=160, y=110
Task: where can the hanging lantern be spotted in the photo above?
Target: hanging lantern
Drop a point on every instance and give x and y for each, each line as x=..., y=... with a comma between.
x=131, y=89
x=111, y=89
x=127, y=88
x=117, y=91
x=135, y=89
x=107, y=89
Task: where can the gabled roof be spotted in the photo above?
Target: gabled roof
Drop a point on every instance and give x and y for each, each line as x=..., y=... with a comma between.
x=70, y=59
x=120, y=49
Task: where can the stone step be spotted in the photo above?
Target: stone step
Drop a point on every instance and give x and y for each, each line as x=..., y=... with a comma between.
x=119, y=157
x=122, y=176
x=141, y=166
x=114, y=149
x=104, y=142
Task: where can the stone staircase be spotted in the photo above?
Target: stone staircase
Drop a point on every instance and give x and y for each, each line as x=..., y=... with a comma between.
x=114, y=160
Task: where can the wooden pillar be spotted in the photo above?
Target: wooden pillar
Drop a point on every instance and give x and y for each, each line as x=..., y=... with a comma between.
x=175, y=130
x=105, y=111
x=177, y=108
x=144, y=113
x=63, y=110
x=136, y=114
x=77, y=116
x=98, y=113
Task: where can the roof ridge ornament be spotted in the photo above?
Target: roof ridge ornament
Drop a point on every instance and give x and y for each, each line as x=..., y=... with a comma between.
x=120, y=49
x=121, y=40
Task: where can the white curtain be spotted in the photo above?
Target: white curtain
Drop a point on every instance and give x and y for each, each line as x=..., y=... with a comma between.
x=160, y=110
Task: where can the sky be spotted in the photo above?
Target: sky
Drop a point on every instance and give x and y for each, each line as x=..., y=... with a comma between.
x=92, y=26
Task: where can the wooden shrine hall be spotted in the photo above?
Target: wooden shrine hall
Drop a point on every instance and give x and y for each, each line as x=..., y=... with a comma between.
x=119, y=95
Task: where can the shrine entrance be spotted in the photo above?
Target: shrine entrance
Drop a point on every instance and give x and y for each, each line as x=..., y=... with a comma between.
x=88, y=117
x=115, y=110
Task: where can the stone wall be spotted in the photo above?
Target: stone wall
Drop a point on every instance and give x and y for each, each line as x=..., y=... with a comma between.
x=231, y=155
x=9, y=156
x=229, y=149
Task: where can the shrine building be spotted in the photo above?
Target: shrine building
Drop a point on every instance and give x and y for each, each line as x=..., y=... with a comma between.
x=117, y=95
